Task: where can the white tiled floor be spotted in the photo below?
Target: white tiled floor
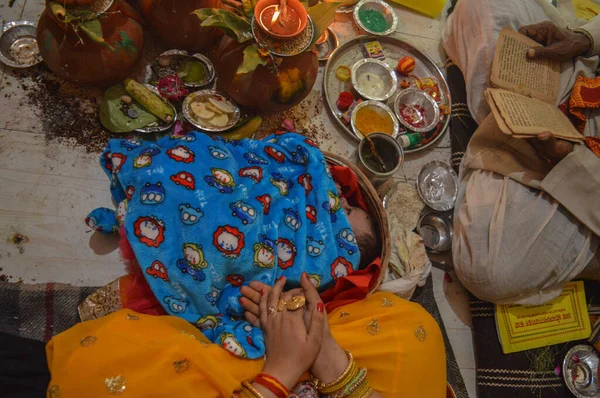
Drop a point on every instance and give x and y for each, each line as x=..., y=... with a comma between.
x=48, y=188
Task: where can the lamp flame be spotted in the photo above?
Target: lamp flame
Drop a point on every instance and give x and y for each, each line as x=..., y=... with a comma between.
x=275, y=16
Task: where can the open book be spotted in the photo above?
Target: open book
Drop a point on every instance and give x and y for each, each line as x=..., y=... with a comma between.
x=523, y=100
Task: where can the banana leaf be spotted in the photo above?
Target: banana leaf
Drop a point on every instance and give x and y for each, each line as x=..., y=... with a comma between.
x=251, y=60
x=113, y=119
x=232, y=25
x=323, y=15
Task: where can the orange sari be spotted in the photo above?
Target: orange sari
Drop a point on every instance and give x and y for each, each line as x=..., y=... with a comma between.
x=136, y=355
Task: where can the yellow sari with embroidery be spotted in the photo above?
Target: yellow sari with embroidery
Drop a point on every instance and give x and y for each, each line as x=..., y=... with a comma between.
x=135, y=355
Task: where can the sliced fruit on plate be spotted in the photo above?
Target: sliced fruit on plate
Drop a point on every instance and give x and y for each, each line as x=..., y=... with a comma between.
x=213, y=108
x=200, y=110
x=223, y=105
x=219, y=120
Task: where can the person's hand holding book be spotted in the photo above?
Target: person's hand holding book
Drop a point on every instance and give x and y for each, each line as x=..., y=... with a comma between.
x=558, y=44
x=550, y=148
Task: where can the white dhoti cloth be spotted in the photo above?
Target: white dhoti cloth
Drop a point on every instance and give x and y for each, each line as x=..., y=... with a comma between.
x=513, y=243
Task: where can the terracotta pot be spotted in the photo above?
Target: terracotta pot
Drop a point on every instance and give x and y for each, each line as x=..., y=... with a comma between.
x=262, y=90
x=91, y=63
x=177, y=27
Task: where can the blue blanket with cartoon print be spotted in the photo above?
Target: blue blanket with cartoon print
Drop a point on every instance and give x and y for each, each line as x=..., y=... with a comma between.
x=205, y=215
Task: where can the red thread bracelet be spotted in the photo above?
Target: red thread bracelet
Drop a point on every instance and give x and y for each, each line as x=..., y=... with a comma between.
x=272, y=384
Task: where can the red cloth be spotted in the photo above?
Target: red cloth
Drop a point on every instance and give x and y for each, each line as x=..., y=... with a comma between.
x=135, y=291
x=349, y=183
x=585, y=95
x=137, y=295
x=359, y=283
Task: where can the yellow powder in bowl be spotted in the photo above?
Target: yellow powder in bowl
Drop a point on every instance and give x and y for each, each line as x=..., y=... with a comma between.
x=369, y=120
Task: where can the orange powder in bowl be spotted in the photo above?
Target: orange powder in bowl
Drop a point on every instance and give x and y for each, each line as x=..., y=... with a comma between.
x=369, y=120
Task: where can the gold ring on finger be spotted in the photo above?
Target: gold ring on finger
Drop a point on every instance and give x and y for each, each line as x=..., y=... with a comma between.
x=271, y=310
x=281, y=305
x=295, y=303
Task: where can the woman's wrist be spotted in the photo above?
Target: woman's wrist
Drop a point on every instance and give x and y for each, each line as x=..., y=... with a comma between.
x=331, y=361
x=287, y=377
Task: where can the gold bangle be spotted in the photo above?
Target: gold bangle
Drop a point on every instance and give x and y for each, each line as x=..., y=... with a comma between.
x=337, y=383
x=361, y=390
x=355, y=387
x=250, y=388
x=244, y=393
x=343, y=383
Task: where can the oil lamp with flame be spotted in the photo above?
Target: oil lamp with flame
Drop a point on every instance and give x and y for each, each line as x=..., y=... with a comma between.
x=281, y=19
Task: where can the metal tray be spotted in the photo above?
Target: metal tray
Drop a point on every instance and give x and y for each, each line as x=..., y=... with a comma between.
x=351, y=51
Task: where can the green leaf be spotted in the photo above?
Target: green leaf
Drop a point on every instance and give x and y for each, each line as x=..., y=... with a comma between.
x=323, y=15
x=93, y=29
x=251, y=60
x=233, y=25
x=113, y=119
x=248, y=8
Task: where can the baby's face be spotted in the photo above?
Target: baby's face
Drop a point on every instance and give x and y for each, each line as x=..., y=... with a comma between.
x=360, y=221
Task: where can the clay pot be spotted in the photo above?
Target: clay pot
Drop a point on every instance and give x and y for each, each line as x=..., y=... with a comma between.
x=263, y=90
x=177, y=27
x=91, y=63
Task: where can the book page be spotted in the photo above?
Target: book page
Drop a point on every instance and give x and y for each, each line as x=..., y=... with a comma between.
x=497, y=115
x=524, y=116
x=513, y=71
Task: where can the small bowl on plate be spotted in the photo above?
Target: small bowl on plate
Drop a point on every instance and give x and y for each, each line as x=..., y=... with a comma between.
x=380, y=109
x=437, y=185
x=18, y=45
x=201, y=116
x=436, y=231
x=417, y=110
x=382, y=8
x=374, y=79
x=169, y=63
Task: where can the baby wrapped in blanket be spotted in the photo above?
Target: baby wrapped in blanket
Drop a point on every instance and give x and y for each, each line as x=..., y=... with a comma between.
x=205, y=215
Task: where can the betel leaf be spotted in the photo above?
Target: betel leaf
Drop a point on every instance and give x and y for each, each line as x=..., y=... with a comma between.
x=232, y=25
x=323, y=15
x=93, y=29
x=113, y=119
x=251, y=60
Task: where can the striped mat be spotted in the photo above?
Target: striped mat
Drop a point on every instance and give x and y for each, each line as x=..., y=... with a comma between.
x=514, y=375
